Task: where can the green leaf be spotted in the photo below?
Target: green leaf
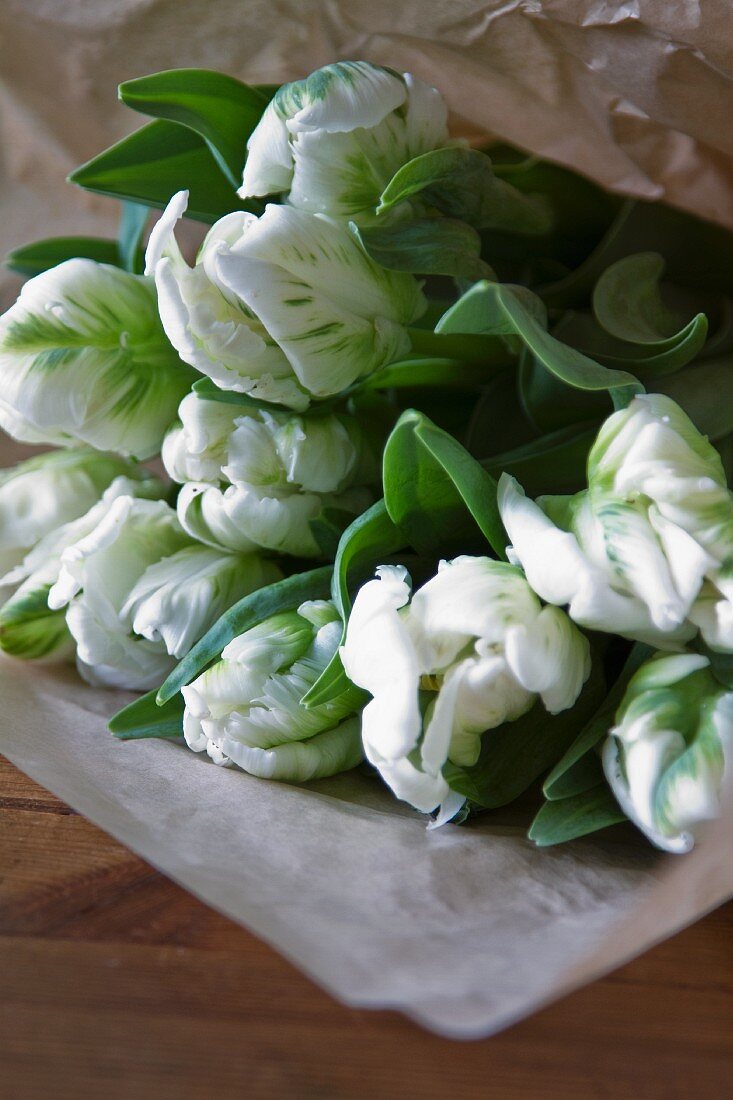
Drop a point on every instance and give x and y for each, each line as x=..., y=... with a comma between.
x=154, y=163
x=460, y=183
x=551, y=405
x=426, y=246
x=145, y=718
x=515, y=754
x=129, y=242
x=222, y=110
x=628, y=303
x=554, y=463
x=514, y=311
x=438, y=372
x=247, y=612
x=436, y=492
x=647, y=360
x=366, y=543
x=32, y=259
x=574, y=817
x=571, y=774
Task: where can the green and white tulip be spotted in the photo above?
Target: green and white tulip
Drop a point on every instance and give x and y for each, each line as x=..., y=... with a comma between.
x=48, y=490
x=258, y=479
x=83, y=359
x=670, y=753
x=139, y=592
x=472, y=649
x=332, y=142
x=645, y=551
x=245, y=709
x=285, y=307
x=28, y=627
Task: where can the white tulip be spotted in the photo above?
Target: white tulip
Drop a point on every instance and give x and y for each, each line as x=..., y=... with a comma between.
x=332, y=142
x=284, y=307
x=669, y=755
x=472, y=649
x=45, y=491
x=83, y=358
x=139, y=592
x=245, y=709
x=28, y=627
x=258, y=479
x=644, y=551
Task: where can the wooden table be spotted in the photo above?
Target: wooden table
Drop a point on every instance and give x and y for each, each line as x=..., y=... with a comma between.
x=114, y=982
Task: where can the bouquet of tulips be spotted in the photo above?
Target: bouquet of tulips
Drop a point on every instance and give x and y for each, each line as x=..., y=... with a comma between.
x=446, y=433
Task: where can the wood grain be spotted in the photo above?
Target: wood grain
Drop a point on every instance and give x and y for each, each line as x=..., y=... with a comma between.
x=116, y=983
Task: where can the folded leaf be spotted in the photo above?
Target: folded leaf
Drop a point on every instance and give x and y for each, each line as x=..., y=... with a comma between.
x=222, y=110
x=426, y=246
x=436, y=492
x=574, y=817
x=461, y=183
x=516, y=312
x=154, y=163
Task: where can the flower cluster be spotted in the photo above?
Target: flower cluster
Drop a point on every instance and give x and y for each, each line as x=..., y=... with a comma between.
x=362, y=270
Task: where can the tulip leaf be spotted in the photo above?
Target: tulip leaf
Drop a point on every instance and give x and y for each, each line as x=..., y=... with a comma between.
x=554, y=463
x=145, y=718
x=221, y=109
x=461, y=183
x=247, y=612
x=514, y=311
x=426, y=246
x=436, y=492
x=628, y=303
x=440, y=372
x=573, y=772
x=366, y=543
x=129, y=242
x=155, y=162
x=32, y=259
x=516, y=753
x=570, y=818
x=582, y=331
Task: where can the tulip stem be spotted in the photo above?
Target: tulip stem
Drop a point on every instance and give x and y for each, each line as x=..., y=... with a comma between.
x=471, y=347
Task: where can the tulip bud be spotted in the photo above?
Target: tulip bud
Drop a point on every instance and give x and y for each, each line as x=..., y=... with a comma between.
x=258, y=479
x=331, y=143
x=43, y=492
x=83, y=358
x=671, y=748
x=284, y=307
x=139, y=592
x=643, y=552
x=245, y=709
x=473, y=649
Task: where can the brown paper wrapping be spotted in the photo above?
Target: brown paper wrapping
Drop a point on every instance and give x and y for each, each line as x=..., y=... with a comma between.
x=465, y=930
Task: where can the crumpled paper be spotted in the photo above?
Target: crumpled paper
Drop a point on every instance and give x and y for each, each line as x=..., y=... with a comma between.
x=637, y=94
x=464, y=929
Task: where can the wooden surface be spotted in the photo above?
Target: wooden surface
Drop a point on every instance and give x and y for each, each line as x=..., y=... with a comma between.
x=116, y=983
